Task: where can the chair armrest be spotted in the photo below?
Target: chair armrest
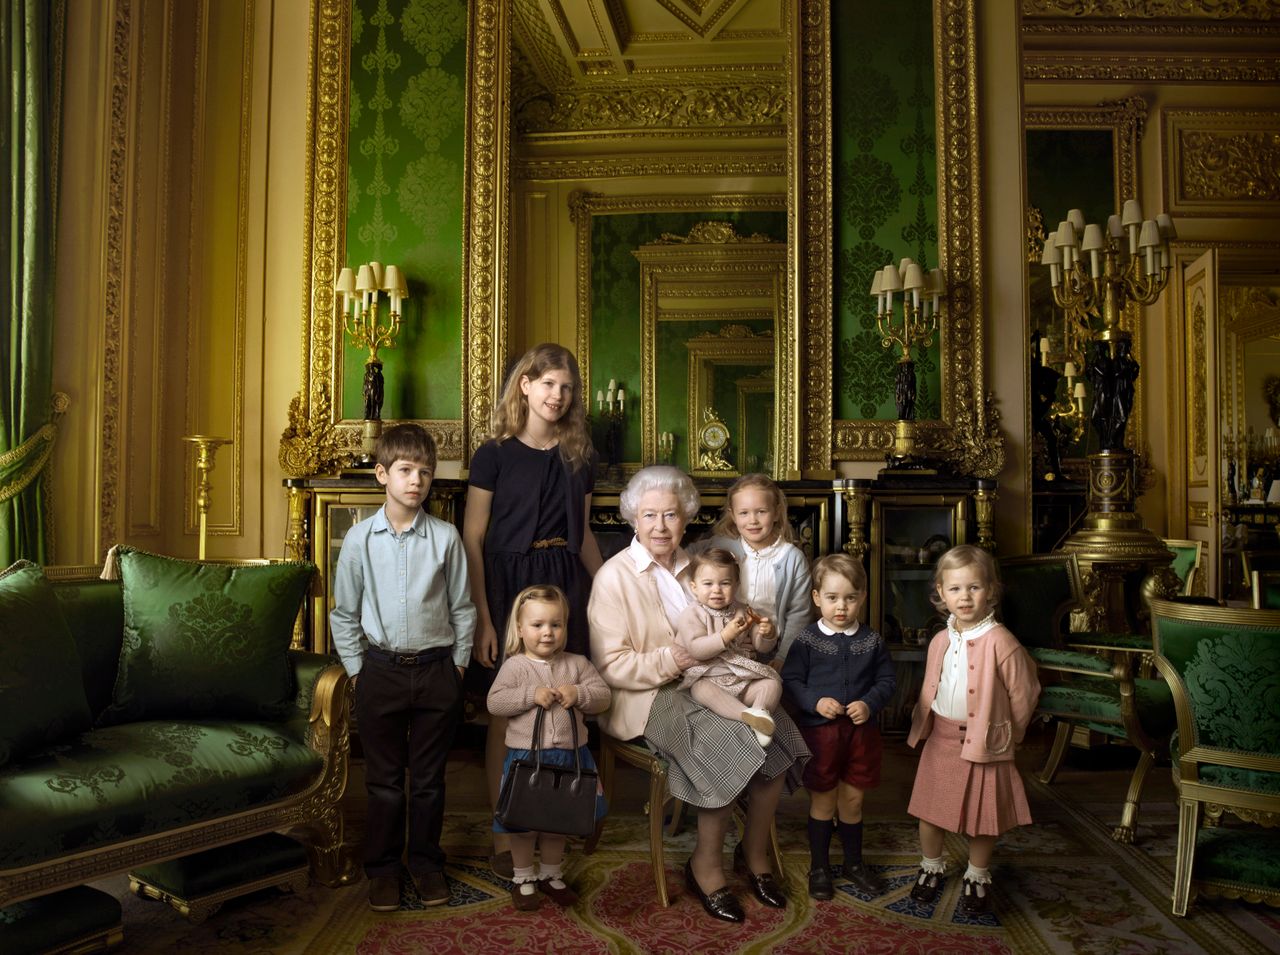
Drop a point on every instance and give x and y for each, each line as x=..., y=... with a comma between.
x=1070, y=661
x=1110, y=642
x=320, y=707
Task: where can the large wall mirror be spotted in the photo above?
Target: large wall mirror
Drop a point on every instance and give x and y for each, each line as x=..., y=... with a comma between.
x=845, y=155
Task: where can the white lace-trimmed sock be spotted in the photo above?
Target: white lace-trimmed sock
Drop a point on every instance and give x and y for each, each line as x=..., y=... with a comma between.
x=527, y=878
x=555, y=875
x=976, y=875
x=933, y=866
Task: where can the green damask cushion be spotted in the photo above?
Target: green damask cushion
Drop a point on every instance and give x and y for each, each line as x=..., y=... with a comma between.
x=41, y=694
x=51, y=921
x=1074, y=659
x=121, y=782
x=94, y=612
x=1097, y=701
x=1184, y=558
x=205, y=639
x=1246, y=854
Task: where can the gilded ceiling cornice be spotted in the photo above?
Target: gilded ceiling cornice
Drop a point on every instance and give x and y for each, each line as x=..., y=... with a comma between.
x=550, y=170
x=760, y=105
x=1154, y=9
x=1162, y=68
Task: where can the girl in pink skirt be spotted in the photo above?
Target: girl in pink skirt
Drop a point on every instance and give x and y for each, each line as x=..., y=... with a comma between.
x=980, y=690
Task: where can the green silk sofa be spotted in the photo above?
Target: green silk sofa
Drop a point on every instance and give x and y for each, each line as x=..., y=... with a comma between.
x=117, y=794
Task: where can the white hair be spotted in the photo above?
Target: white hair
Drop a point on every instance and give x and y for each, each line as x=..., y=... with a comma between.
x=659, y=477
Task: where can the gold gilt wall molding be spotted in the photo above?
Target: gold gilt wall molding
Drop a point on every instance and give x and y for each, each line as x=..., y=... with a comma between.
x=968, y=432
x=583, y=206
x=745, y=165
x=109, y=530
x=1153, y=9
x=1222, y=162
x=1164, y=68
x=315, y=439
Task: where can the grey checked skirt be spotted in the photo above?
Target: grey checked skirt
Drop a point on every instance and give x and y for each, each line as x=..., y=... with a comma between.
x=711, y=758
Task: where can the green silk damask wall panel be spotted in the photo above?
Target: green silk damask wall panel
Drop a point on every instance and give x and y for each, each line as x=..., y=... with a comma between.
x=616, y=340
x=404, y=193
x=884, y=169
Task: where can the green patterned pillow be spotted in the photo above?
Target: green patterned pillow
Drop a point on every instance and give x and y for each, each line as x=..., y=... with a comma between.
x=42, y=696
x=205, y=640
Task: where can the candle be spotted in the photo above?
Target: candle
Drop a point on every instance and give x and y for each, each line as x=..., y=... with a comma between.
x=1079, y=390
x=600, y=400
x=620, y=395
x=1044, y=346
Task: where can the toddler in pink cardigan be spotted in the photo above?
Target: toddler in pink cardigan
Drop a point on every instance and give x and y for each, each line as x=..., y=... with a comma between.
x=537, y=672
x=979, y=693
x=723, y=636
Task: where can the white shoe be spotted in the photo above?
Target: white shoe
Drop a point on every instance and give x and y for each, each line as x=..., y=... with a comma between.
x=761, y=724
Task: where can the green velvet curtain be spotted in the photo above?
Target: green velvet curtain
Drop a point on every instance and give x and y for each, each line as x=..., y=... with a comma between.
x=30, y=37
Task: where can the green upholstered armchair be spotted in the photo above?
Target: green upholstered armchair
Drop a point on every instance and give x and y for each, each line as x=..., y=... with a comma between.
x=1186, y=562
x=1088, y=680
x=1223, y=666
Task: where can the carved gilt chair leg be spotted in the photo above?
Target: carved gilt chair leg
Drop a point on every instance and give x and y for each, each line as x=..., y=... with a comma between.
x=1129, y=817
x=1059, y=750
x=1188, y=810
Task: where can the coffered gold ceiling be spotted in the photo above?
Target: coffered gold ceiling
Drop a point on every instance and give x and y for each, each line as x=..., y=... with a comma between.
x=650, y=64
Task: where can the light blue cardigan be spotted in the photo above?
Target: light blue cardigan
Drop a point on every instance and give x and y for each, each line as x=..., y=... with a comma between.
x=793, y=587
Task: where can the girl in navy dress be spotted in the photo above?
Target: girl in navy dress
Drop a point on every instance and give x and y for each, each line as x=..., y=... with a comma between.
x=526, y=520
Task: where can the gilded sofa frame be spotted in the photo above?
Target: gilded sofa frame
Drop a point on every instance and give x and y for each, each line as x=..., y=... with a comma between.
x=312, y=815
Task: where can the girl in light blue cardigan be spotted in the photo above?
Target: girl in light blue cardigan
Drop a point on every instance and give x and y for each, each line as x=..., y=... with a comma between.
x=753, y=526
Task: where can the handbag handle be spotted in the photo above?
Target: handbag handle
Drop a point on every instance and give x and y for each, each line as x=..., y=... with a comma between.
x=536, y=749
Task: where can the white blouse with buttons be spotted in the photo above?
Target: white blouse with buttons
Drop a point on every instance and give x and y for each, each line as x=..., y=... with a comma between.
x=953, y=686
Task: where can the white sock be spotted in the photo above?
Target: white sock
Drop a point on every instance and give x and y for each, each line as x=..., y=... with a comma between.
x=980, y=876
x=933, y=866
x=526, y=877
x=554, y=874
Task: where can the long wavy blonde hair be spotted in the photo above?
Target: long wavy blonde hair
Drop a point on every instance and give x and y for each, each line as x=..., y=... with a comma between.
x=512, y=410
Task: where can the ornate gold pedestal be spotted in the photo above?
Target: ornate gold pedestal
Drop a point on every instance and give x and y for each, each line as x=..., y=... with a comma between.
x=1122, y=563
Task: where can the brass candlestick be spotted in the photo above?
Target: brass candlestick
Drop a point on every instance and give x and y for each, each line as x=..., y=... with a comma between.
x=360, y=292
x=921, y=292
x=206, y=448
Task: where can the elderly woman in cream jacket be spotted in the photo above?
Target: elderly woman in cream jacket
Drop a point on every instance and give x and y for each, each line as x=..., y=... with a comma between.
x=635, y=600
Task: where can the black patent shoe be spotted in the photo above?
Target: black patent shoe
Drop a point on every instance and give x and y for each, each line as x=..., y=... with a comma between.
x=820, y=886
x=721, y=904
x=764, y=886
x=863, y=880
x=926, y=887
x=975, y=899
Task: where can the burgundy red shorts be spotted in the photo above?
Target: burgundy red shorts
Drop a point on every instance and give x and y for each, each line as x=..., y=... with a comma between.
x=842, y=752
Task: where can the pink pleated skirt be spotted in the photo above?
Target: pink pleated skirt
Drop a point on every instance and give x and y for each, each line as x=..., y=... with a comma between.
x=974, y=799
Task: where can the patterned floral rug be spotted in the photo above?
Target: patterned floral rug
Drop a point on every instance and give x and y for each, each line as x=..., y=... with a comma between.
x=1061, y=886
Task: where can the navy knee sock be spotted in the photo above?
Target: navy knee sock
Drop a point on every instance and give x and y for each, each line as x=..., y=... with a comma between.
x=851, y=839
x=820, y=832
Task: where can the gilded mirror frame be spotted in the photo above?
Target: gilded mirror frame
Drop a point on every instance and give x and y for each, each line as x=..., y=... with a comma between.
x=1125, y=119
x=968, y=431
x=317, y=439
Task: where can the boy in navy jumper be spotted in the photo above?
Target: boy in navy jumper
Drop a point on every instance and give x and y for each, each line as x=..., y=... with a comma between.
x=839, y=675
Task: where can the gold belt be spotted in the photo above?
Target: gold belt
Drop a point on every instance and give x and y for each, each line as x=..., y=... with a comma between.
x=550, y=542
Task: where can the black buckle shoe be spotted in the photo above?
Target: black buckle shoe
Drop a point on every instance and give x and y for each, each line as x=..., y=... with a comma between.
x=927, y=886
x=721, y=904
x=975, y=898
x=820, y=885
x=765, y=886
x=863, y=880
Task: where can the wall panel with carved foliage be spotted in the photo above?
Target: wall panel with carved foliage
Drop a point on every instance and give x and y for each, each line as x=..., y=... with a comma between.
x=1222, y=162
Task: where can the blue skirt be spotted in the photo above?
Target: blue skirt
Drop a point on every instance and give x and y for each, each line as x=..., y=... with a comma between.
x=553, y=757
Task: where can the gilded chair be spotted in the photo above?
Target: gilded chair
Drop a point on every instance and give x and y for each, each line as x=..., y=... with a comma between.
x=1186, y=562
x=655, y=767
x=1264, y=590
x=1223, y=665
x=1088, y=680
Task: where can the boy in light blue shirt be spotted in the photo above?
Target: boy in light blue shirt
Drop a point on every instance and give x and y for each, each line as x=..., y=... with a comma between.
x=403, y=623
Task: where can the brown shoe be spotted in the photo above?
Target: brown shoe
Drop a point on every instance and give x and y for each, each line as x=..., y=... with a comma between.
x=525, y=903
x=565, y=896
x=384, y=893
x=432, y=888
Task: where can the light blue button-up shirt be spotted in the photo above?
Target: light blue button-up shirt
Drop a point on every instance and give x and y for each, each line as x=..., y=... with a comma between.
x=402, y=591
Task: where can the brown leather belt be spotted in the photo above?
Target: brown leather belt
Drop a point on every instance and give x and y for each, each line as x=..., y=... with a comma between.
x=550, y=542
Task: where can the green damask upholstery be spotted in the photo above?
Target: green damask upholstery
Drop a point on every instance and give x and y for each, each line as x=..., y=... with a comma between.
x=38, y=703
x=94, y=611
x=1246, y=856
x=119, y=782
x=1186, y=561
x=1039, y=594
x=205, y=639
x=1223, y=666
x=80, y=919
x=1097, y=703
x=1070, y=660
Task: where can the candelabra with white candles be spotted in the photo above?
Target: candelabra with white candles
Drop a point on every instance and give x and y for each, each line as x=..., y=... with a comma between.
x=362, y=290
x=912, y=324
x=611, y=408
